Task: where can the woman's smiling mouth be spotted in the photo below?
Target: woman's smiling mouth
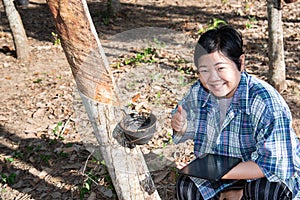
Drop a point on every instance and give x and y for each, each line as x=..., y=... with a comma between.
x=216, y=86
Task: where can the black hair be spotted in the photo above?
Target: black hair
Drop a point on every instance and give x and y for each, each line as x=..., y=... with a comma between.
x=224, y=39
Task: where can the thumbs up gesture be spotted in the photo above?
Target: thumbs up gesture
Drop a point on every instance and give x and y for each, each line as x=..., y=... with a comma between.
x=179, y=121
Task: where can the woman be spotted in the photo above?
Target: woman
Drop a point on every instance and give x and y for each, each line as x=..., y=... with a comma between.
x=232, y=113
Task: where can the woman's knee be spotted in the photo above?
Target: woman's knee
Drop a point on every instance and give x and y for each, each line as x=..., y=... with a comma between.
x=186, y=189
x=264, y=189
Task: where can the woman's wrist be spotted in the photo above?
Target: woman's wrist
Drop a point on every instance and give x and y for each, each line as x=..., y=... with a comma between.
x=182, y=131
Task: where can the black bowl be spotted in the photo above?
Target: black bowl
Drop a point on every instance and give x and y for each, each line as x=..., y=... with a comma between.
x=138, y=129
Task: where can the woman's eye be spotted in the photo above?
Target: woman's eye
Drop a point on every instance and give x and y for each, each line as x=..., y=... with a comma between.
x=221, y=68
x=203, y=70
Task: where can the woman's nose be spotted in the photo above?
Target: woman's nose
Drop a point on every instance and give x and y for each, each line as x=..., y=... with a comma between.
x=213, y=75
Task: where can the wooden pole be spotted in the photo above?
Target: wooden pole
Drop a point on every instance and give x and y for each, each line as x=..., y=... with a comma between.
x=90, y=68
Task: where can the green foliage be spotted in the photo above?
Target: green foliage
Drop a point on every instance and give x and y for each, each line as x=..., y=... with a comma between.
x=169, y=141
x=91, y=178
x=296, y=91
x=56, y=38
x=17, y=154
x=109, y=181
x=181, y=61
x=158, y=95
x=224, y=1
x=45, y=158
x=170, y=137
x=102, y=162
x=106, y=19
x=176, y=171
x=251, y=21
x=57, y=128
x=85, y=189
x=186, y=70
x=247, y=6
x=182, y=81
x=63, y=154
x=215, y=23
x=69, y=145
x=38, y=80
x=8, y=179
x=147, y=56
x=32, y=149
x=57, y=131
x=154, y=55
x=10, y=160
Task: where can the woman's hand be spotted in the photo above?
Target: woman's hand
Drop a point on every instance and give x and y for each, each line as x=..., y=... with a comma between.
x=179, y=121
x=180, y=165
x=245, y=170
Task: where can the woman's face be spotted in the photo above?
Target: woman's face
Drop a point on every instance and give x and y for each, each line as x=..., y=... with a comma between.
x=219, y=74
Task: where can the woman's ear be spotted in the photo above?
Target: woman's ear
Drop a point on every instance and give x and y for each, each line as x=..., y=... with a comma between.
x=242, y=61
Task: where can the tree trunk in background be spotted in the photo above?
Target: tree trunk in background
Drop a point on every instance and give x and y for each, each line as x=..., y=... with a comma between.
x=18, y=31
x=277, y=75
x=114, y=6
x=90, y=68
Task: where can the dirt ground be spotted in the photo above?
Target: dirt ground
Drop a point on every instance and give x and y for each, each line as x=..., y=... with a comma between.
x=43, y=128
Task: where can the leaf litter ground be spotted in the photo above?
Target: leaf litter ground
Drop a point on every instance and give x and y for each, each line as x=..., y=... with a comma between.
x=46, y=139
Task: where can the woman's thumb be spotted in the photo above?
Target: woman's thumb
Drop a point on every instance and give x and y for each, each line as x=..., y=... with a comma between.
x=179, y=109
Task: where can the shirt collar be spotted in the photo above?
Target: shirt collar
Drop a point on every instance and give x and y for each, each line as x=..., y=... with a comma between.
x=241, y=95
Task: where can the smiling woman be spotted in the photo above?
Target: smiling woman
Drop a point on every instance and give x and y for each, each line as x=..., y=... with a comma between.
x=231, y=113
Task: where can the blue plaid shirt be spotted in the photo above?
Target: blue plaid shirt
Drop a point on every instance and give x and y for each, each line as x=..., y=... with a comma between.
x=257, y=127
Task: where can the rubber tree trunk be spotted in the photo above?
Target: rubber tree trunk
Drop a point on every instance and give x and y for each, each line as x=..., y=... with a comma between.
x=277, y=74
x=89, y=65
x=18, y=31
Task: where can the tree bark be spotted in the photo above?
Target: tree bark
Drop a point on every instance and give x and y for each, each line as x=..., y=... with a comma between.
x=277, y=74
x=90, y=68
x=18, y=31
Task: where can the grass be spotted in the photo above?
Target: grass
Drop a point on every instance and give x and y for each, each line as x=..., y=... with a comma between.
x=214, y=23
x=250, y=23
